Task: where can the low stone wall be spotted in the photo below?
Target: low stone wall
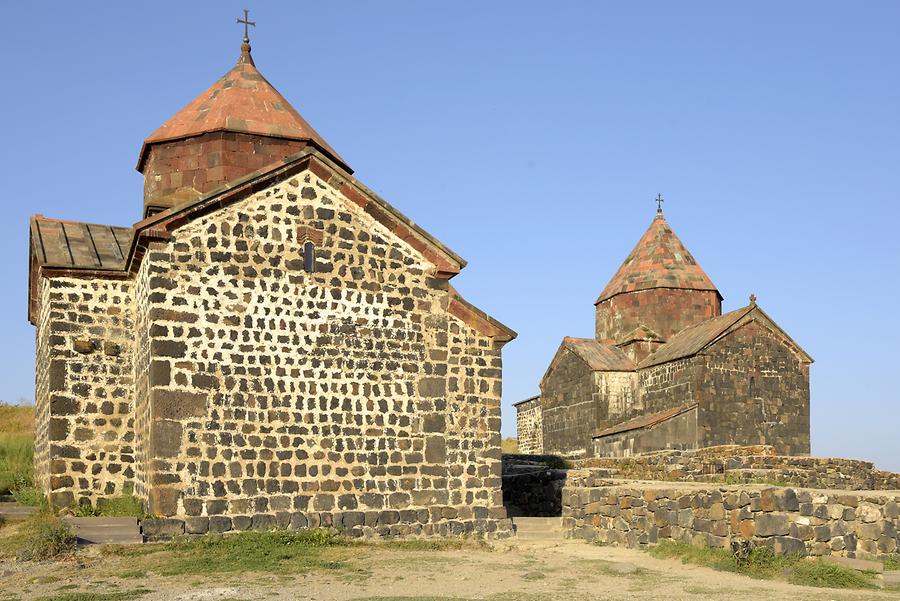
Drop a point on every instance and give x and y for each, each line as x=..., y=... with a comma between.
x=436, y=521
x=535, y=493
x=756, y=464
x=788, y=520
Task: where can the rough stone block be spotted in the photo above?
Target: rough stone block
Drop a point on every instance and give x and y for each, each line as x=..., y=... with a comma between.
x=196, y=525
x=157, y=528
x=771, y=524
x=177, y=404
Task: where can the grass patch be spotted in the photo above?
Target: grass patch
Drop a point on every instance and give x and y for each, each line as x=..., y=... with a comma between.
x=763, y=563
x=892, y=562
x=42, y=536
x=117, y=596
x=430, y=544
x=16, y=459
x=16, y=445
x=121, y=506
x=271, y=552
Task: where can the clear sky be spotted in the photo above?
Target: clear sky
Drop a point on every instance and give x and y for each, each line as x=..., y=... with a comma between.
x=531, y=138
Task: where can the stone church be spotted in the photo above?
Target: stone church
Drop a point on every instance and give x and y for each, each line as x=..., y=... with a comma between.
x=667, y=370
x=272, y=343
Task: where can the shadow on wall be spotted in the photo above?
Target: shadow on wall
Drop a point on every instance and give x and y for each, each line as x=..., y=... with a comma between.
x=532, y=485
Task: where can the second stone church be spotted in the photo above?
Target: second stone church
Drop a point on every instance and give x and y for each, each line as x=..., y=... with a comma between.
x=667, y=370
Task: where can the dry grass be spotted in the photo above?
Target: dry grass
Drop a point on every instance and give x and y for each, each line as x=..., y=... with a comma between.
x=509, y=446
x=16, y=445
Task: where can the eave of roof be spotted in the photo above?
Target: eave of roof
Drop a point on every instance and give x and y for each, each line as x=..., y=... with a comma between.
x=645, y=421
x=528, y=400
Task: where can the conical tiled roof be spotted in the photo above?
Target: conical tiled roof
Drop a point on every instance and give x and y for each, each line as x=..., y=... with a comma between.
x=241, y=101
x=659, y=260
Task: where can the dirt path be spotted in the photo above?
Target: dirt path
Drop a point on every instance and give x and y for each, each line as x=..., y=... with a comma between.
x=516, y=572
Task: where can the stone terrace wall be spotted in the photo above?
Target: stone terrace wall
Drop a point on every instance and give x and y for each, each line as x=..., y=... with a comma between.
x=756, y=464
x=857, y=524
x=84, y=392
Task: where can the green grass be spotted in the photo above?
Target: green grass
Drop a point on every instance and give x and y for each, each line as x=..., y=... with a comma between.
x=117, y=596
x=892, y=562
x=121, y=506
x=272, y=552
x=763, y=563
x=16, y=458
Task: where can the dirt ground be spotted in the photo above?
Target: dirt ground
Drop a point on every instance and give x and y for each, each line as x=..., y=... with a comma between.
x=508, y=572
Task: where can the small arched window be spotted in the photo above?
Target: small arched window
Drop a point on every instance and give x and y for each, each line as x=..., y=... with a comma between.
x=309, y=257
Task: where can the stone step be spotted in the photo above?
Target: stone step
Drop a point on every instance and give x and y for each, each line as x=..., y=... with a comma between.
x=15, y=512
x=863, y=565
x=538, y=528
x=105, y=530
x=892, y=578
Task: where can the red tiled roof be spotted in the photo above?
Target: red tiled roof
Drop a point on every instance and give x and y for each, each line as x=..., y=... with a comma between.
x=659, y=260
x=599, y=357
x=645, y=421
x=241, y=101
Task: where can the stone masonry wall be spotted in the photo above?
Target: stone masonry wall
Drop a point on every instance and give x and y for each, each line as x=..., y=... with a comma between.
x=182, y=170
x=569, y=407
x=668, y=385
x=42, y=390
x=529, y=427
x=663, y=310
x=814, y=522
x=755, y=390
x=344, y=396
x=84, y=389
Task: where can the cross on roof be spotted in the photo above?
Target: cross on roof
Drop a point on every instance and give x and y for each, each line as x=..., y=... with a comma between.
x=247, y=23
x=659, y=201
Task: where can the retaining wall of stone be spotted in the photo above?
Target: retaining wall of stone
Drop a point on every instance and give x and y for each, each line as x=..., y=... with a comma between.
x=755, y=464
x=804, y=521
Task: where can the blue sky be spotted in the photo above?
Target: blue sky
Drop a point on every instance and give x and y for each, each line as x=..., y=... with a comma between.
x=531, y=138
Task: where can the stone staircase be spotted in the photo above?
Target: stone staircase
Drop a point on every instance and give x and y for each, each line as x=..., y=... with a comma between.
x=538, y=529
x=13, y=512
x=119, y=531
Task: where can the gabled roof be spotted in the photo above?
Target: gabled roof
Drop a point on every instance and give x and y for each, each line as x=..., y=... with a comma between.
x=640, y=333
x=645, y=421
x=659, y=260
x=690, y=341
x=597, y=356
x=240, y=101
x=160, y=225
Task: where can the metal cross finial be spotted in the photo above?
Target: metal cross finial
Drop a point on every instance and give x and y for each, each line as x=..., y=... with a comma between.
x=659, y=201
x=247, y=23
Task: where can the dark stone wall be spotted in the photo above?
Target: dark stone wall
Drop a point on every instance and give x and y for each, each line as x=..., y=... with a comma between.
x=182, y=170
x=680, y=432
x=664, y=310
x=755, y=390
x=668, y=385
x=569, y=407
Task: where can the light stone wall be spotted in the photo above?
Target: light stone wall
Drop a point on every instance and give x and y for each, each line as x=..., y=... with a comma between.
x=617, y=391
x=529, y=427
x=349, y=394
x=84, y=389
